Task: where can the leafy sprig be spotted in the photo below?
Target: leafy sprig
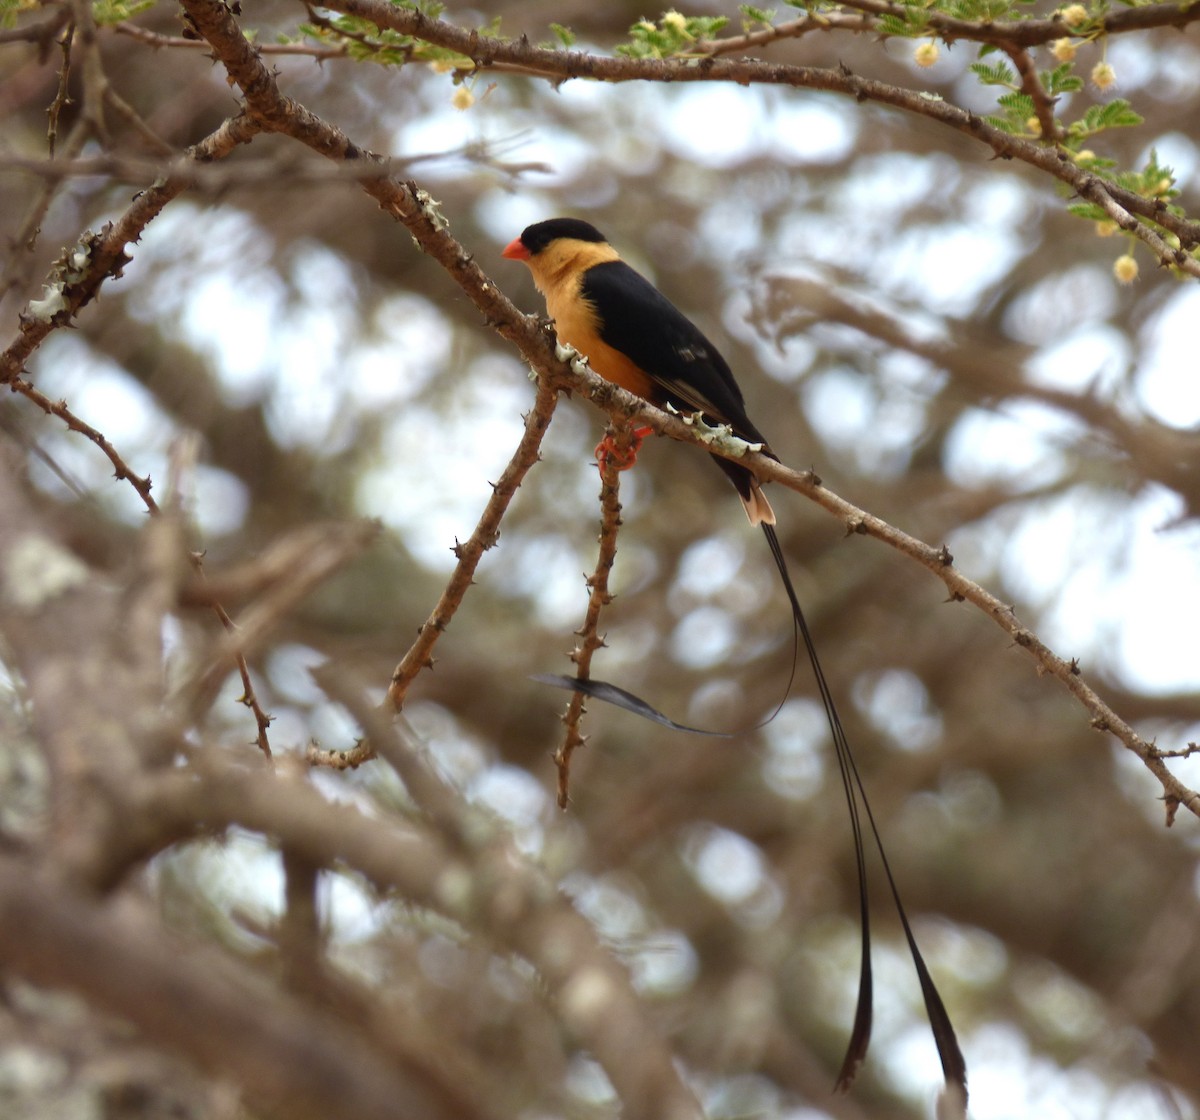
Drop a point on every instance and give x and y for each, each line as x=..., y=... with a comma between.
x=108, y=12
x=673, y=35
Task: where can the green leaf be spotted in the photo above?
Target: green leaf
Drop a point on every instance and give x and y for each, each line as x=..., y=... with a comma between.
x=752, y=16
x=108, y=12
x=1061, y=80
x=1019, y=104
x=563, y=34
x=674, y=34
x=1088, y=210
x=1006, y=124
x=1119, y=114
x=998, y=75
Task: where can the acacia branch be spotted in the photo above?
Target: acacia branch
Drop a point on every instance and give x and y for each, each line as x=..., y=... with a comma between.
x=487, y=887
x=619, y=441
x=487, y=532
x=288, y=1059
x=1034, y=32
x=421, y=218
x=487, y=53
x=623, y=405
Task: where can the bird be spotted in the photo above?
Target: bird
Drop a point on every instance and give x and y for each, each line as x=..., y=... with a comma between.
x=634, y=336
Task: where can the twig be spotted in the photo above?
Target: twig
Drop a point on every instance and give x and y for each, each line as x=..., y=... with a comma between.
x=95, y=81
x=104, y=252
x=314, y=561
x=620, y=440
x=558, y=65
x=43, y=33
x=177, y=42
x=789, y=30
x=487, y=532
x=623, y=405
x=1031, y=86
x=132, y=118
x=61, y=97
x=121, y=470
x=250, y=172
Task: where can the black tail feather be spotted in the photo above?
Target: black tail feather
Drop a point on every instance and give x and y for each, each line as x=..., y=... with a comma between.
x=953, y=1066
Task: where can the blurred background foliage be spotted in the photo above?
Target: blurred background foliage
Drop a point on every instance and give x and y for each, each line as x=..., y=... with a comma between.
x=927, y=327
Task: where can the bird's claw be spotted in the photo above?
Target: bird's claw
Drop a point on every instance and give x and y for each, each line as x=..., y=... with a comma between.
x=625, y=457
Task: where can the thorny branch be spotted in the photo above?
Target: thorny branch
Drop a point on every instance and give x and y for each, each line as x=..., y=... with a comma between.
x=1123, y=206
x=487, y=532
x=267, y=108
x=75, y=282
x=619, y=440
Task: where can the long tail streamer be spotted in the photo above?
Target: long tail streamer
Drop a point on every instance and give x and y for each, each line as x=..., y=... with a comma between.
x=954, y=1068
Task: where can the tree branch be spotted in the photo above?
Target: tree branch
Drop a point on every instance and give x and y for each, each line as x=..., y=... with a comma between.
x=419, y=214
x=619, y=441
x=1120, y=204
x=289, y=1060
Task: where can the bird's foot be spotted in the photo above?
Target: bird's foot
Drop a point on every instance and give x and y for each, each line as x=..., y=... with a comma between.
x=623, y=457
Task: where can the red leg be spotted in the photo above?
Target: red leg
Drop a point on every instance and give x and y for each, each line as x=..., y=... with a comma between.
x=624, y=459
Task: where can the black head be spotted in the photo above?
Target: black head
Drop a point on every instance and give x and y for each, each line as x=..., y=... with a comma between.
x=536, y=237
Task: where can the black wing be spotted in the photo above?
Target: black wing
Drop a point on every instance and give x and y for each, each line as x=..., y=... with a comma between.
x=638, y=320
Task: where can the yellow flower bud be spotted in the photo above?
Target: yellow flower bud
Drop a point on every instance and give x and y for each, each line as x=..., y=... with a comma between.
x=1125, y=269
x=1106, y=228
x=926, y=53
x=675, y=21
x=1064, y=50
x=1103, y=75
x=463, y=98
x=1033, y=126
x=1074, y=15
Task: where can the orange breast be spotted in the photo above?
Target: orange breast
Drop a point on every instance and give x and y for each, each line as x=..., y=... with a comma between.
x=575, y=324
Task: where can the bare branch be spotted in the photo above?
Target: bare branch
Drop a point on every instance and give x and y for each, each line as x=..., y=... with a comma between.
x=96, y=257
x=179, y=42
x=619, y=442
x=490, y=889
x=624, y=405
x=487, y=531
x=288, y=1059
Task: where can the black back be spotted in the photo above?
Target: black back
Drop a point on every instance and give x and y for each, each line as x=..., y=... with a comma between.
x=640, y=322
